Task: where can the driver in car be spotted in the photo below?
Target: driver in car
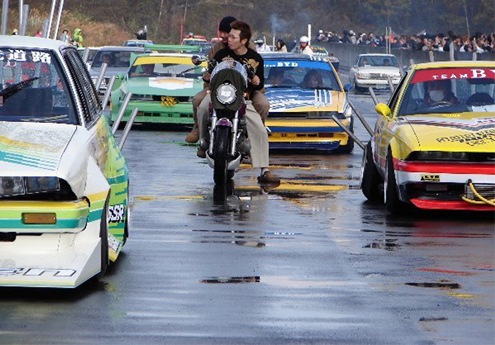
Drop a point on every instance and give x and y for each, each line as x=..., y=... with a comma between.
x=439, y=92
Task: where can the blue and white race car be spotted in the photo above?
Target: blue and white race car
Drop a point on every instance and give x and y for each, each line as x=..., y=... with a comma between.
x=304, y=93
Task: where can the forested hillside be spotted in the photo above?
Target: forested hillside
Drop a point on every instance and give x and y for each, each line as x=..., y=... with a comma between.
x=107, y=21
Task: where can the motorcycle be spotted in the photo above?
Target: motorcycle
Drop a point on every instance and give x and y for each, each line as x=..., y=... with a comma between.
x=228, y=137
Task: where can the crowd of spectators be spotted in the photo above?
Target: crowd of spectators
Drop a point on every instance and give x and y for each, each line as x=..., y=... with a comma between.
x=477, y=43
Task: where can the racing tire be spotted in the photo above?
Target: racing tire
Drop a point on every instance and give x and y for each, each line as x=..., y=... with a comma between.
x=391, y=195
x=220, y=154
x=370, y=177
x=127, y=218
x=104, y=240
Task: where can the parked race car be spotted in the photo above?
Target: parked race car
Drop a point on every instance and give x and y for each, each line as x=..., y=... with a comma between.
x=304, y=93
x=118, y=60
x=162, y=87
x=375, y=71
x=434, y=142
x=64, y=200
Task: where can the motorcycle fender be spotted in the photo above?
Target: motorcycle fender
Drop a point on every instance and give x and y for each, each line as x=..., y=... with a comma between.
x=224, y=122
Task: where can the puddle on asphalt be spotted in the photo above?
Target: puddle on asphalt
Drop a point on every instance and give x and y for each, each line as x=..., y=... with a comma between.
x=231, y=280
x=388, y=244
x=441, y=285
x=430, y=233
x=430, y=319
x=241, y=237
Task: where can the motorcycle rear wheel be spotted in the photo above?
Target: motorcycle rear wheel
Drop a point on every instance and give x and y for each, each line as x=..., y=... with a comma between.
x=221, y=153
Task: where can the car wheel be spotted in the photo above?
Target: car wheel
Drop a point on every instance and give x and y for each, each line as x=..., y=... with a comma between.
x=104, y=240
x=370, y=177
x=391, y=195
x=127, y=218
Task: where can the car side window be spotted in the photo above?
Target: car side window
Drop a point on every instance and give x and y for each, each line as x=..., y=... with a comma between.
x=86, y=92
x=392, y=103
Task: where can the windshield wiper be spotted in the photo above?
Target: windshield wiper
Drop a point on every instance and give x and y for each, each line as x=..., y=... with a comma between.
x=13, y=89
x=187, y=70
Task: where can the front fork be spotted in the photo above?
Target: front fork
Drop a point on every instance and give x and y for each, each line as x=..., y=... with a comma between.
x=224, y=122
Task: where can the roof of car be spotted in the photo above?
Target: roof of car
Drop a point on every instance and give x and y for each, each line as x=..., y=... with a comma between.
x=461, y=63
x=376, y=54
x=122, y=48
x=29, y=41
x=277, y=55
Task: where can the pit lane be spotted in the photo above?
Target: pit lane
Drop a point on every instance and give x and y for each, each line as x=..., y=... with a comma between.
x=310, y=262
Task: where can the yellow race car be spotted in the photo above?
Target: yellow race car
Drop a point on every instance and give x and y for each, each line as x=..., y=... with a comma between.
x=434, y=142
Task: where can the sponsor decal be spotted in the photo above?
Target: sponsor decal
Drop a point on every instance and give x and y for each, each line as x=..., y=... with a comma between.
x=452, y=74
x=37, y=272
x=307, y=100
x=472, y=139
x=430, y=178
x=116, y=213
x=168, y=101
x=114, y=243
x=171, y=83
x=20, y=55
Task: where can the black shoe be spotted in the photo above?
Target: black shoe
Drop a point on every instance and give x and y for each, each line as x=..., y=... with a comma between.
x=269, y=178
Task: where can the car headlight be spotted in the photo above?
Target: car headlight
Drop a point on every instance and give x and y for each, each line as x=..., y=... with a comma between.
x=17, y=185
x=438, y=156
x=226, y=93
x=362, y=75
x=348, y=111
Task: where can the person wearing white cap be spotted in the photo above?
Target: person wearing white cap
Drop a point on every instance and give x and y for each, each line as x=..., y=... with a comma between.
x=303, y=47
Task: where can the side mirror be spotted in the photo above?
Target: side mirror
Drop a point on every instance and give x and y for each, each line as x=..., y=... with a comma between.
x=196, y=60
x=347, y=87
x=383, y=109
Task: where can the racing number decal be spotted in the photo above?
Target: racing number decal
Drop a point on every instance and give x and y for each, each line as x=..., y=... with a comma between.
x=116, y=213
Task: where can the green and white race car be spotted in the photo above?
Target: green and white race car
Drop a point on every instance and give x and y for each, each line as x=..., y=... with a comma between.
x=64, y=197
x=162, y=87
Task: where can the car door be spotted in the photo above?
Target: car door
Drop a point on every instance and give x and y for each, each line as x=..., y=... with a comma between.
x=385, y=128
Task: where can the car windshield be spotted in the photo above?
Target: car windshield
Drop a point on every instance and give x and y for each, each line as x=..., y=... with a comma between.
x=148, y=69
x=300, y=74
x=112, y=58
x=449, y=90
x=32, y=88
x=377, y=61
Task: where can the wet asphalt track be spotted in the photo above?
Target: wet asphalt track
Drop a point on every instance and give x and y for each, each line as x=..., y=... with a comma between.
x=310, y=262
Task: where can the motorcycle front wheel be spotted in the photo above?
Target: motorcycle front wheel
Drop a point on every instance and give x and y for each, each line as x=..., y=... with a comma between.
x=221, y=153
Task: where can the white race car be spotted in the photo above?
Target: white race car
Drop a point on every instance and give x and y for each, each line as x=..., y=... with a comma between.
x=64, y=200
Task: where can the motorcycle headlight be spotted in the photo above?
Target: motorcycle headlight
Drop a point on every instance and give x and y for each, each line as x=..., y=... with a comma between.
x=17, y=185
x=226, y=93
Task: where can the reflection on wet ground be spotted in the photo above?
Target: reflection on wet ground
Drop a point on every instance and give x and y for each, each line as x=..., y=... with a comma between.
x=241, y=237
x=231, y=280
x=439, y=285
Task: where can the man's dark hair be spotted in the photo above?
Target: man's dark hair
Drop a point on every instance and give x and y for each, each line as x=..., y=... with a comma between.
x=245, y=30
x=224, y=25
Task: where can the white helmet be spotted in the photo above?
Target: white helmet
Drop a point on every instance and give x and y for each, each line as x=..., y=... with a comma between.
x=304, y=39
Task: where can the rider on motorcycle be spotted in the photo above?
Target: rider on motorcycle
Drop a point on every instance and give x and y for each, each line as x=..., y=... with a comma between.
x=238, y=49
x=260, y=102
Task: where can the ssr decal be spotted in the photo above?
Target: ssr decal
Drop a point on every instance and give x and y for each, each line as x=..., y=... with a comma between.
x=116, y=213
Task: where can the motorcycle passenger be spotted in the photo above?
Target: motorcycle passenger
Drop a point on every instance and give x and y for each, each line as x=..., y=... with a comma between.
x=260, y=102
x=238, y=49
